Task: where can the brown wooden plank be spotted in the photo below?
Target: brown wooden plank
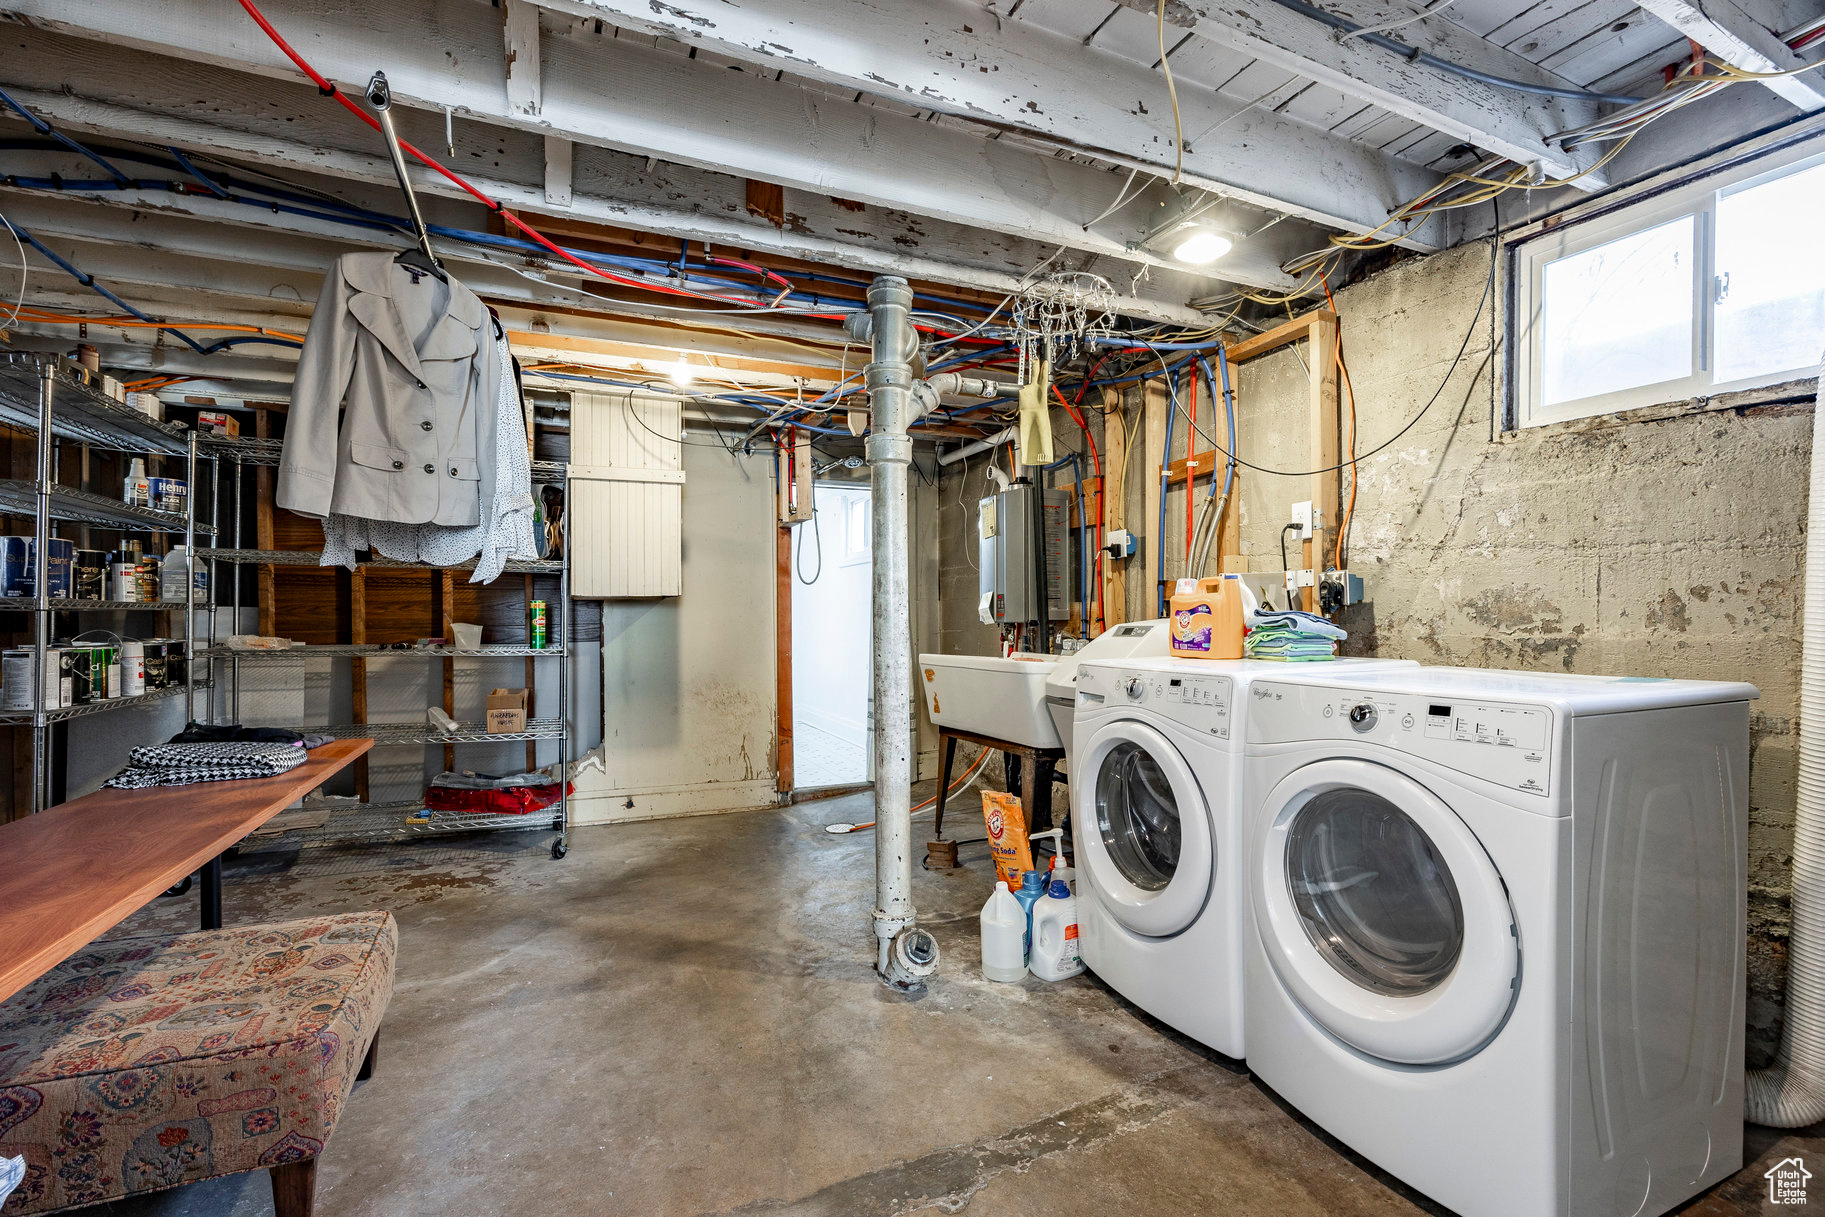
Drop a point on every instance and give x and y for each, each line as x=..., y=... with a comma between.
x=1325, y=448
x=266, y=589
x=1284, y=334
x=782, y=662
x=1115, y=497
x=59, y=891
x=1153, y=453
x=446, y=596
x=358, y=668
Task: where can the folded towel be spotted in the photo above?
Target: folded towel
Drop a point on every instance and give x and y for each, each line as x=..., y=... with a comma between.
x=1310, y=623
x=1289, y=644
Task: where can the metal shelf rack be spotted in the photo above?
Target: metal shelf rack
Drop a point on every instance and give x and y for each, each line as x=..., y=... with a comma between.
x=373, y=821
x=51, y=398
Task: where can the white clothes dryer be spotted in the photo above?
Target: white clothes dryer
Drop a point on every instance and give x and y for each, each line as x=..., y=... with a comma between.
x=1497, y=940
x=1157, y=826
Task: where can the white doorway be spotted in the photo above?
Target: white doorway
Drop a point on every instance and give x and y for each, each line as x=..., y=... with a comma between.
x=832, y=620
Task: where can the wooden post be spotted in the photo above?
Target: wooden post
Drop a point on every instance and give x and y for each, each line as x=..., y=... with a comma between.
x=446, y=592
x=265, y=595
x=1324, y=447
x=1153, y=423
x=532, y=746
x=782, y=613
x=358, y=668
x=1115, y=460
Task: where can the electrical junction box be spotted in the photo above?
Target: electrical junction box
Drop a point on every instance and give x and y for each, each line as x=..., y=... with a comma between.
x=1016, y=529
x=1119, y=543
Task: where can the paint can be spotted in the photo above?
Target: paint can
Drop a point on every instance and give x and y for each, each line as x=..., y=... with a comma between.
x=125, y=582
x=132, y=667
x=16, y=680
x=539, y=629
x=91, y=574
x=86, y=676
x=154, y=663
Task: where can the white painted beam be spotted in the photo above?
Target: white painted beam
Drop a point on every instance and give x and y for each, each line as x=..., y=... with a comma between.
x=951, y=56
x=1504, y=121
x=608, y=92
x=559, y=158
x=1734, y=36
x=520, y=30
x=610, y=187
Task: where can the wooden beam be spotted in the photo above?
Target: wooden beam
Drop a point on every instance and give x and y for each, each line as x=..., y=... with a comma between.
x=1284, y=334
x=520, y=31
x=1733, y=35
x=1324, y=446
x=358, y=668
x=559, y=170
x=1115, y=498
x=446, y=603
x=610, y=92
x=265, y=591
x=1501, y=120
x=1153, y=455
x=1050, y=86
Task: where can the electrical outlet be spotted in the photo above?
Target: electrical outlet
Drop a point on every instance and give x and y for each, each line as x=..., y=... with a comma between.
x=1305, y=517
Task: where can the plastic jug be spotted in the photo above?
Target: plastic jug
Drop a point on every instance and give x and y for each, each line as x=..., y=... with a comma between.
x=1207, y=618
x=1004, y=927
x=176, y=571
x=1055, y=954
x=1032, y=887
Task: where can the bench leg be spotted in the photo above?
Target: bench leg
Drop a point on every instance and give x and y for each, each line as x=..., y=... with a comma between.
x=368, y=1061
x=293, y=1186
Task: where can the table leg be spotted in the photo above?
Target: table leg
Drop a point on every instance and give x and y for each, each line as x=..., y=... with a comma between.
x=947, y=755
x=1029, y=789
x=1047, y=774
x=212, y=894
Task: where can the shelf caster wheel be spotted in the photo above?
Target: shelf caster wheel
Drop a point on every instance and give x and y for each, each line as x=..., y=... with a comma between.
x=560, y=847
x=181, y=888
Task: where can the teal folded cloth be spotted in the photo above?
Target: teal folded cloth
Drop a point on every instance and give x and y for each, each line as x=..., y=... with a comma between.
x=1288, y=644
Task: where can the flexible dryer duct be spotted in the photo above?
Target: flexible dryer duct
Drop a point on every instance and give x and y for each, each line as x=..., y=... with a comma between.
x=1791, y=1092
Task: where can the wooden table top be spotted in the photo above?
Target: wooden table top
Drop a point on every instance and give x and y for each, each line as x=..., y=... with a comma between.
x=74, y=871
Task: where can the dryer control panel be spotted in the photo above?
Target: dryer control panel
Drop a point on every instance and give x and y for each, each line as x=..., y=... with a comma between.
x=1500, y=742
x=1202, y=703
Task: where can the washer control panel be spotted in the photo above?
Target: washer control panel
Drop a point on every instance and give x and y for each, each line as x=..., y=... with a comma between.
x=1202, y=703
x=1500, y=742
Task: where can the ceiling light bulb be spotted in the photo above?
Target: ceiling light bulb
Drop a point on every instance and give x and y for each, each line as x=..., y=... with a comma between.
x=1201, y=245
x=680, y=374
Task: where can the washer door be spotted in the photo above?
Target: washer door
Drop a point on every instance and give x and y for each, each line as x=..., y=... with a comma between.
x=1143, y=829
x=1382, y=913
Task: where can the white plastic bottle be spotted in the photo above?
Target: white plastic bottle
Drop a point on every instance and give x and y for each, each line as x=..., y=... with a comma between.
x=1055, y=954
x=176, y=572
x=1004, y=931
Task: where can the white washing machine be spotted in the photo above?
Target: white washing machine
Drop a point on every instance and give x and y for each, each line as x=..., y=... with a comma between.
x=1157, y=826
x=1498, y=929
x=1130, y=640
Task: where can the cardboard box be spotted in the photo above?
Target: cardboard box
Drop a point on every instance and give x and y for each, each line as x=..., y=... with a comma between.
x=506, y=711
x=218, y=422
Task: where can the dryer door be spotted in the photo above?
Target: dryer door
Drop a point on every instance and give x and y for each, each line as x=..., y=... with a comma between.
x=1382, y=914
x=1143, y=829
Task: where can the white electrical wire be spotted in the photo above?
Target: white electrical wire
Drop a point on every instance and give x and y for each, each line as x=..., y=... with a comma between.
x=23, y=270
x=1395, y=25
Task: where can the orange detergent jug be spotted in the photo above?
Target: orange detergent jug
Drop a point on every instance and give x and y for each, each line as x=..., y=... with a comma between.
x=1207, y=618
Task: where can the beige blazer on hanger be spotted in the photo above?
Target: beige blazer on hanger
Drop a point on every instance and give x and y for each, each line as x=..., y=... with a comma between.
x=409, y=362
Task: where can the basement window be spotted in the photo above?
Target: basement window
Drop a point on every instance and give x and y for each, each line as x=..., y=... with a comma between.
x=1712, y=287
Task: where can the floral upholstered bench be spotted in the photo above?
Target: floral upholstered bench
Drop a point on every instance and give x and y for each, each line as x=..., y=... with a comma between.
x=142, y=1063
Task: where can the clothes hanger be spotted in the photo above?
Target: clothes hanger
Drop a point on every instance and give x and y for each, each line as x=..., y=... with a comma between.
x=422, y=258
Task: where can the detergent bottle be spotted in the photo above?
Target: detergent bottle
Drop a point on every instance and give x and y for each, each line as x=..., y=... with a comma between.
x=1055, y=955
x=1032, y=887
x=1004, y=928
x=1207, y=618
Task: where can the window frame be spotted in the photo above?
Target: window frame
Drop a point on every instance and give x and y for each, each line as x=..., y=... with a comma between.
x=1697, y=196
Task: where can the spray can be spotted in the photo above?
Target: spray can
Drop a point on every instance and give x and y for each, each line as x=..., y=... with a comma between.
x=539, y=629
x=132, y=667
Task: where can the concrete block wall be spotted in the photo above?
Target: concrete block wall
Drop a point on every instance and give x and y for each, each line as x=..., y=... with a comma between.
x=1669, y=547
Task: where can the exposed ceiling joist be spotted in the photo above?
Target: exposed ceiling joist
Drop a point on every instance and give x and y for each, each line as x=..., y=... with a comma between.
x=1501, y=120
x=1723, y=28
x=956, y=58
x=610, y=93
x=608, y=188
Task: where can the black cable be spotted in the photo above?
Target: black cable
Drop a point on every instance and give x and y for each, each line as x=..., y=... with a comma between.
x=798, y=559
x=1469, y=332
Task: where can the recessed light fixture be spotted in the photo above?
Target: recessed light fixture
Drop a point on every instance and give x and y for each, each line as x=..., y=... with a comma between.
x=1196, y=245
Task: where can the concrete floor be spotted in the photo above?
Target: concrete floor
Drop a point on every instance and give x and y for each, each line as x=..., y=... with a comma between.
x=680, y=1019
